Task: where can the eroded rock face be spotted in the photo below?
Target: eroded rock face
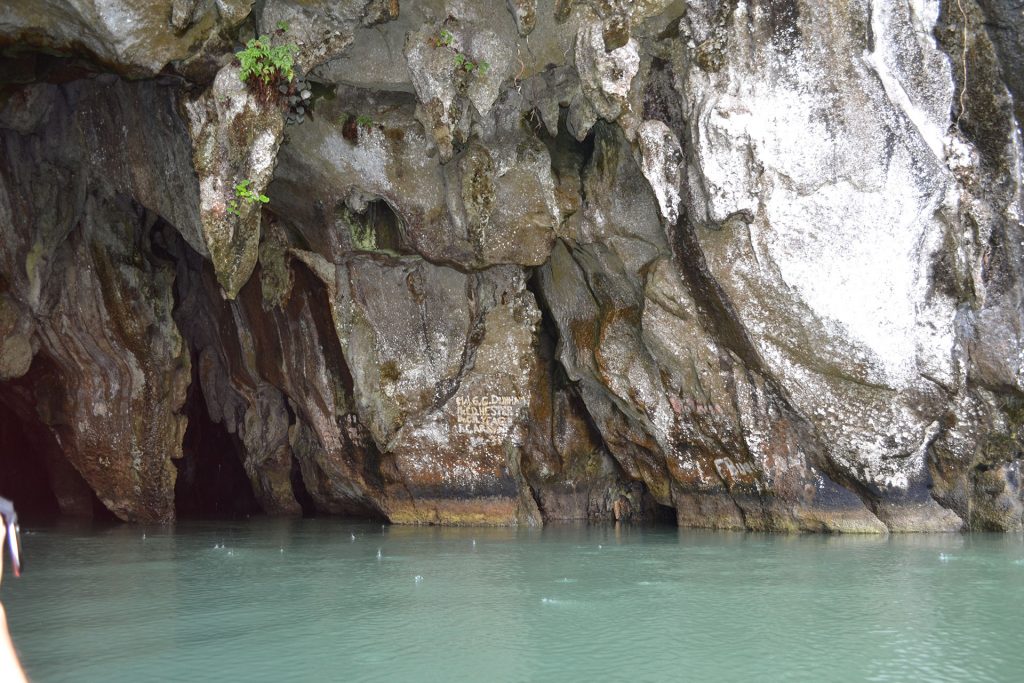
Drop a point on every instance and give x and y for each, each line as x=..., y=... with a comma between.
x=754, y=265
x=235, y=136
x=85, y=291
x=841, y=252
x=135, y=37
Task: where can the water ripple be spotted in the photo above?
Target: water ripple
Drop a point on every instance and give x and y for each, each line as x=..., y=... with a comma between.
x=302, y=601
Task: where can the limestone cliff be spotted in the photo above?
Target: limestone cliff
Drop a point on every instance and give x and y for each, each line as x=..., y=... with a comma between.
x=751, y=264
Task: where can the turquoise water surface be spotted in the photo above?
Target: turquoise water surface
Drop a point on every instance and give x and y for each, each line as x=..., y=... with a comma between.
x=271, y=600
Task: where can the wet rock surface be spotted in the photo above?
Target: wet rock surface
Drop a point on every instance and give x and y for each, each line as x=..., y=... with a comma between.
x=740, y=264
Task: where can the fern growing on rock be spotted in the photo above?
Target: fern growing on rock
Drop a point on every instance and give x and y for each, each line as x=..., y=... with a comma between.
x=265, y=66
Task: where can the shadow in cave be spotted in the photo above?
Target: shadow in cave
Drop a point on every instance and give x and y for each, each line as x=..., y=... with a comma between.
x=211, y=479
x=34, y=472
x=661, y=515
x=642, y=507
x=374, y=228
x=24, y=477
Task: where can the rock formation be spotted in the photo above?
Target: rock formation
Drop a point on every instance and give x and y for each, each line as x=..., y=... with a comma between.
x=747, y=264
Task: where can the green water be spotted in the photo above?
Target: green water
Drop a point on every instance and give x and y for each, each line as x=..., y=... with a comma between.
x=301, y=600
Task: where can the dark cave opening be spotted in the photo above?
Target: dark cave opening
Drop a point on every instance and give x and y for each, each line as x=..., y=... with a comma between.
x=24, y=477
x=302, y=495
x=211, y=479
x=35, y=474
x=662, y=515
x=374, y=228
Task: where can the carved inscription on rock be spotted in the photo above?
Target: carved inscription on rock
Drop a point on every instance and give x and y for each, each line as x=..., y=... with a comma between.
x=487, y=415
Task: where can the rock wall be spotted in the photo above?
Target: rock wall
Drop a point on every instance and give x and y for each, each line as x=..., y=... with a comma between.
x=754, y=265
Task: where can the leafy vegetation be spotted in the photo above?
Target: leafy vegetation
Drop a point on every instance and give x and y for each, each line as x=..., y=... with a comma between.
x=463, y=63
x=444, y=39
x=266, y=63
x=468, y=65
x=244, y=194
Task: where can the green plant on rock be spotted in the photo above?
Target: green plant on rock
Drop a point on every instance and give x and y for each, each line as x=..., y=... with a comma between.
x=244, y=194
x=468, y=65
x=444, y=38
x=462, y=62
x=266, y=63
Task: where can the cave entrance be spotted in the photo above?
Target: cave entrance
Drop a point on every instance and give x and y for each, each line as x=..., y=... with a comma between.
x=211, y=479
x=24, y=476
x=34, y=471
x=662, y=515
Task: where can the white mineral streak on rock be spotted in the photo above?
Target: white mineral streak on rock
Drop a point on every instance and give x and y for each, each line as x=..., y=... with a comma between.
x=662, y=158
x=891, y=33
x=847, y=224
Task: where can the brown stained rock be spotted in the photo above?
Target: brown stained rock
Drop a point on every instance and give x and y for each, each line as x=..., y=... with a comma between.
x=479, y=511
x=615, y=32
x=440, y=365
x=183, y=14
x=380, y=11
x=388, y=358
x=563, y=10
x=77, y=256
x=115, y=398
x=235, y=136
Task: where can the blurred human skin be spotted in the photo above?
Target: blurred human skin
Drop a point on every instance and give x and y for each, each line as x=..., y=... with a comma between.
x=10, y=667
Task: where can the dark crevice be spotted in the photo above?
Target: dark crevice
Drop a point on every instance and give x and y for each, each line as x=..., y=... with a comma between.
x=374, y=227
x=24, y=478
x=647, y=508
x=569, y=156
x=661, y=515
x=320, y=305
x=299, y=490
x=361, y=453
x=302, y=495
x=211, y=480
x=35, y=473
x=449, y=386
